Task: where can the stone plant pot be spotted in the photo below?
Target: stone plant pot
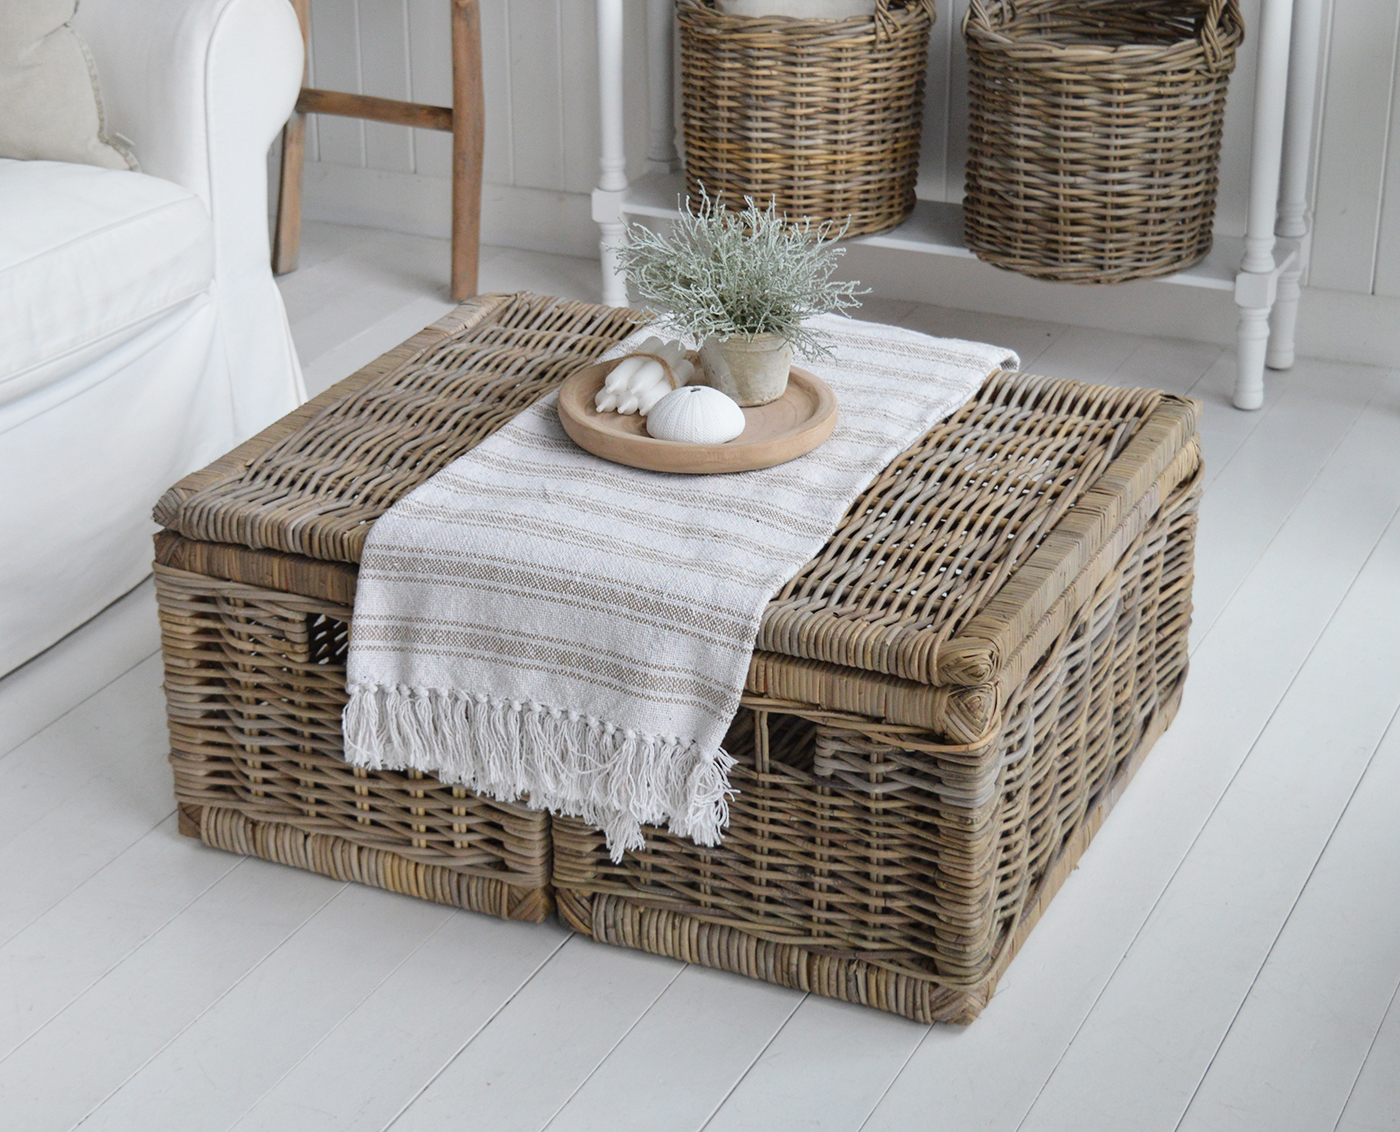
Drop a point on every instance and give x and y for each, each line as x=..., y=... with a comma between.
x=752, y=371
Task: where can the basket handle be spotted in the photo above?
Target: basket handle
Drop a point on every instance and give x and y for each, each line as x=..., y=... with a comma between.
x=976, y=13
x=885, y=24
x=1220, y=16
x=1214, y=30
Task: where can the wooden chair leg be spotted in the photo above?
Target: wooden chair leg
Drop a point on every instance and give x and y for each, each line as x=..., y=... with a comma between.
x=468, y=138
x=286, y=236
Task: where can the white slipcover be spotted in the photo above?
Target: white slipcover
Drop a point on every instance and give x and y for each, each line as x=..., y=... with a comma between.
x=141, y=334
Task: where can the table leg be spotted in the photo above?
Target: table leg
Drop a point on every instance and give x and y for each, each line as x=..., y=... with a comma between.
x=1293, y=193
x=1256, y=286
x=661, y=142
x=612, y=181
x=468, y=141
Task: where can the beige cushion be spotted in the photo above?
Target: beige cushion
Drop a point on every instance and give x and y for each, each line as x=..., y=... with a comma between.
x=50, y=108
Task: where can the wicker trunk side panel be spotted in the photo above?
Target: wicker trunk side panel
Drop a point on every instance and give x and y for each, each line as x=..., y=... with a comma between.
x=857, y=844
x=255, y=683
x=691, y=939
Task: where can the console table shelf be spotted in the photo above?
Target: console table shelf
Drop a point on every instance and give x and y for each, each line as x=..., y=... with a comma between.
x=934, y=228
x=1260, y=271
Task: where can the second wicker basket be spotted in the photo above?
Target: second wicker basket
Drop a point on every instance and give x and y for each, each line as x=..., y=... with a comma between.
x=1094, y=133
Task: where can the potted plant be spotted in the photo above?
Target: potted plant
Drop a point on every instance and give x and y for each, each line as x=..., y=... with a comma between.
x=741, y=284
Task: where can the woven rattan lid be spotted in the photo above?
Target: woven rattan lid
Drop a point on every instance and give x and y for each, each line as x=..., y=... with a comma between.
x=960, y=562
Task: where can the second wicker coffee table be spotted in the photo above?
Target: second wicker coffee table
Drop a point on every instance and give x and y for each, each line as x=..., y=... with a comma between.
x=943, y=705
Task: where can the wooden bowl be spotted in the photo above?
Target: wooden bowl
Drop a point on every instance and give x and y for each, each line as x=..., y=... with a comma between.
x=782, y=430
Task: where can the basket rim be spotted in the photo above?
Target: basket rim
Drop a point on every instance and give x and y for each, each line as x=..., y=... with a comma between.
x=1042, y=47
x=910, y=14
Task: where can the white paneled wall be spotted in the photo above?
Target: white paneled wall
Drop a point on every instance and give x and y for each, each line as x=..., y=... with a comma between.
x=542, y=134
x=1356, y=129
x=541, y=83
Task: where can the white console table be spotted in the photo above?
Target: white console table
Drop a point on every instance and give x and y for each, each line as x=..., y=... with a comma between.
x=1261, y=270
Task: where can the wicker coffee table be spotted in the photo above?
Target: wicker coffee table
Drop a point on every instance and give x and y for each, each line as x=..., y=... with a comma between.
x=943, y=704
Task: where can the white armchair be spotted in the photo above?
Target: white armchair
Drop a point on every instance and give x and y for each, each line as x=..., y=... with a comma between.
x=141, y=334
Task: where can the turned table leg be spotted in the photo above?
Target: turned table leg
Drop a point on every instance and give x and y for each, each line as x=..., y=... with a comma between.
x=612, y=181
x=1293, y=191
x=1256, y=286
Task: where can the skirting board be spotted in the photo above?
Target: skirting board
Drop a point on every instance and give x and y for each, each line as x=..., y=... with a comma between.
x=963, y=283
x=536, y=220
x=1336, y=325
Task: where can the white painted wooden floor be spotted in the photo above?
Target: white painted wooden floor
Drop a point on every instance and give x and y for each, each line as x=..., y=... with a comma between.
x=1225, y=958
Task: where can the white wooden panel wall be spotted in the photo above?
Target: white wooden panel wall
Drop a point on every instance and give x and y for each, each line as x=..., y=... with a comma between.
x=541, y=121
x=541, y=81
x=1355, y=130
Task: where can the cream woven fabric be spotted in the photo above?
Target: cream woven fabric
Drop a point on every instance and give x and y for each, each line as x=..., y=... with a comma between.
x=50, y=105
x=535, y=621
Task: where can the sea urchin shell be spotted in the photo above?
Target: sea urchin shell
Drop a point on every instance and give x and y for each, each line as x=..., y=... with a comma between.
x=696, y=414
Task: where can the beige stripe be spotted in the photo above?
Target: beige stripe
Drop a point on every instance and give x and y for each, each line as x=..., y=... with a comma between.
x=693, y=530
x=563, y=587
x=570, y=535
x=544, y=640
x=494, y=650
x=771, y=515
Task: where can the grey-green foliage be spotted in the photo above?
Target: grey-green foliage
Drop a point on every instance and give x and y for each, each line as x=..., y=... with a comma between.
x=740, y=274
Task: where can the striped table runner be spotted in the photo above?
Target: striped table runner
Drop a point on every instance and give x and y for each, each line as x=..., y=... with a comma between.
x=537, y=622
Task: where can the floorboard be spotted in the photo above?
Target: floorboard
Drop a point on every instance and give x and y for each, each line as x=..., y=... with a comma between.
x=825, y=1069
x=80, y=665
x=1226, y=957
x=119, y=1026
x=373, y=1063
x=1291, y=1055
x=683, y=1057
x=80, y=939
x=526, y=1064
x=118, y=791
x=217, y=1068
x=1267, y=476
x=1374, y=1104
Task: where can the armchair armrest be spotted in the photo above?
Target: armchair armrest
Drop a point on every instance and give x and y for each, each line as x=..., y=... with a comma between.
x=201, y=88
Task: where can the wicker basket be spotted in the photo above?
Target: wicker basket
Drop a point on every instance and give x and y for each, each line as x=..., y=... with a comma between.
x=945, y=704
x=255, y=576
x=823, y=116
x=1094, y=133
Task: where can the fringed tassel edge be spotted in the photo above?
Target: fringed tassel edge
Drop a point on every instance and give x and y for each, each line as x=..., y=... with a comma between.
x=565, y=762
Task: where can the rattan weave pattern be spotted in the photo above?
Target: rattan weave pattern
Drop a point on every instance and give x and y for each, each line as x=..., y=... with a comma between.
x=254, y=683
x=255, y=639
x=1094, y=132
x=312, y=483
x=927, y=602
x=919, y=566
x=943, y=704
x=823, y=116
x=882, y=865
